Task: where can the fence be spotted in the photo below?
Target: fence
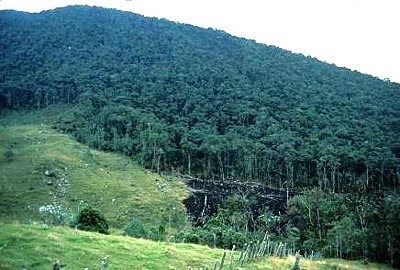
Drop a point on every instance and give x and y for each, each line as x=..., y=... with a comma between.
x=255, y=250
x=251, y=251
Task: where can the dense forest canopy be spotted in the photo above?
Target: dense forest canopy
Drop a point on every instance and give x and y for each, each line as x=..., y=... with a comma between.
x=201, y=102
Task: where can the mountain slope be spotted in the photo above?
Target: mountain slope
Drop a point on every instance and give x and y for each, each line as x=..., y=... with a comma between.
x=199, y=101
x=185, y=100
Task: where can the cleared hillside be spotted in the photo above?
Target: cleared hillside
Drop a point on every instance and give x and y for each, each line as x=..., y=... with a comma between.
x=77, y=175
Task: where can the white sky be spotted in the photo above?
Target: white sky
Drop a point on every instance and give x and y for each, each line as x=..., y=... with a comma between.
x=359, y=34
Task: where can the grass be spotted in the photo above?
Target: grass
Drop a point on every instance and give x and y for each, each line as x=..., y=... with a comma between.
x=38, y=246
x=327, y=264
x=113, y=183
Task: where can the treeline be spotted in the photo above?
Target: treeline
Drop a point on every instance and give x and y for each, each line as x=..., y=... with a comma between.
x=339, y=160
x=201, y=102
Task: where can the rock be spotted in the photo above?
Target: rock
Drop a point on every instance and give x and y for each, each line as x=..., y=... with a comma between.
x=49, y=174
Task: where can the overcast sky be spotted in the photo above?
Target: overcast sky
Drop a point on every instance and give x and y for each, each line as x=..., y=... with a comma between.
x=358, y=34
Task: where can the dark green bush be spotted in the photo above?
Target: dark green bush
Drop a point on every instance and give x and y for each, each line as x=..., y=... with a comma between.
x=9, y=155
x=91, y=219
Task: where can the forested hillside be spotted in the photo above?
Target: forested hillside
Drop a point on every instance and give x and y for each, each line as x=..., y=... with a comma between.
x=201, y=101
x=204, y=103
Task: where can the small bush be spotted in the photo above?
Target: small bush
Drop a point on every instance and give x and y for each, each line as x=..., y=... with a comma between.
x=135, y=228
x=190, y=237
x=9, y=155
x=157, y=233
x=91, y=219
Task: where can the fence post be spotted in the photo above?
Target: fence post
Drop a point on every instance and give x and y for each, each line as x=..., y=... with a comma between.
x=57, y=265
x=278, y=252
x=242, y=253
x=261, y=253
x=104, y=263
x=231, y=257
x=269, y=248
x=283, y=251
x=256, y=249
x=276, y=249
x=246, y=253
x=296, y=265
x=222, y=260
x=249, y=252
x=215, y=264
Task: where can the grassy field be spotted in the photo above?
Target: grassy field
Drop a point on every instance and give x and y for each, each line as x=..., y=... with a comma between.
x=77, y=175
x=38, y=246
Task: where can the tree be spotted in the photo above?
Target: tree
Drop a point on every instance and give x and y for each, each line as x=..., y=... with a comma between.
x=391, y=224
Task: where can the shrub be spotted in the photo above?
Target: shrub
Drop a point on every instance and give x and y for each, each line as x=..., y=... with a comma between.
x=8, y=155
x=189, y=236
x=91, y=219
x=135, y=228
